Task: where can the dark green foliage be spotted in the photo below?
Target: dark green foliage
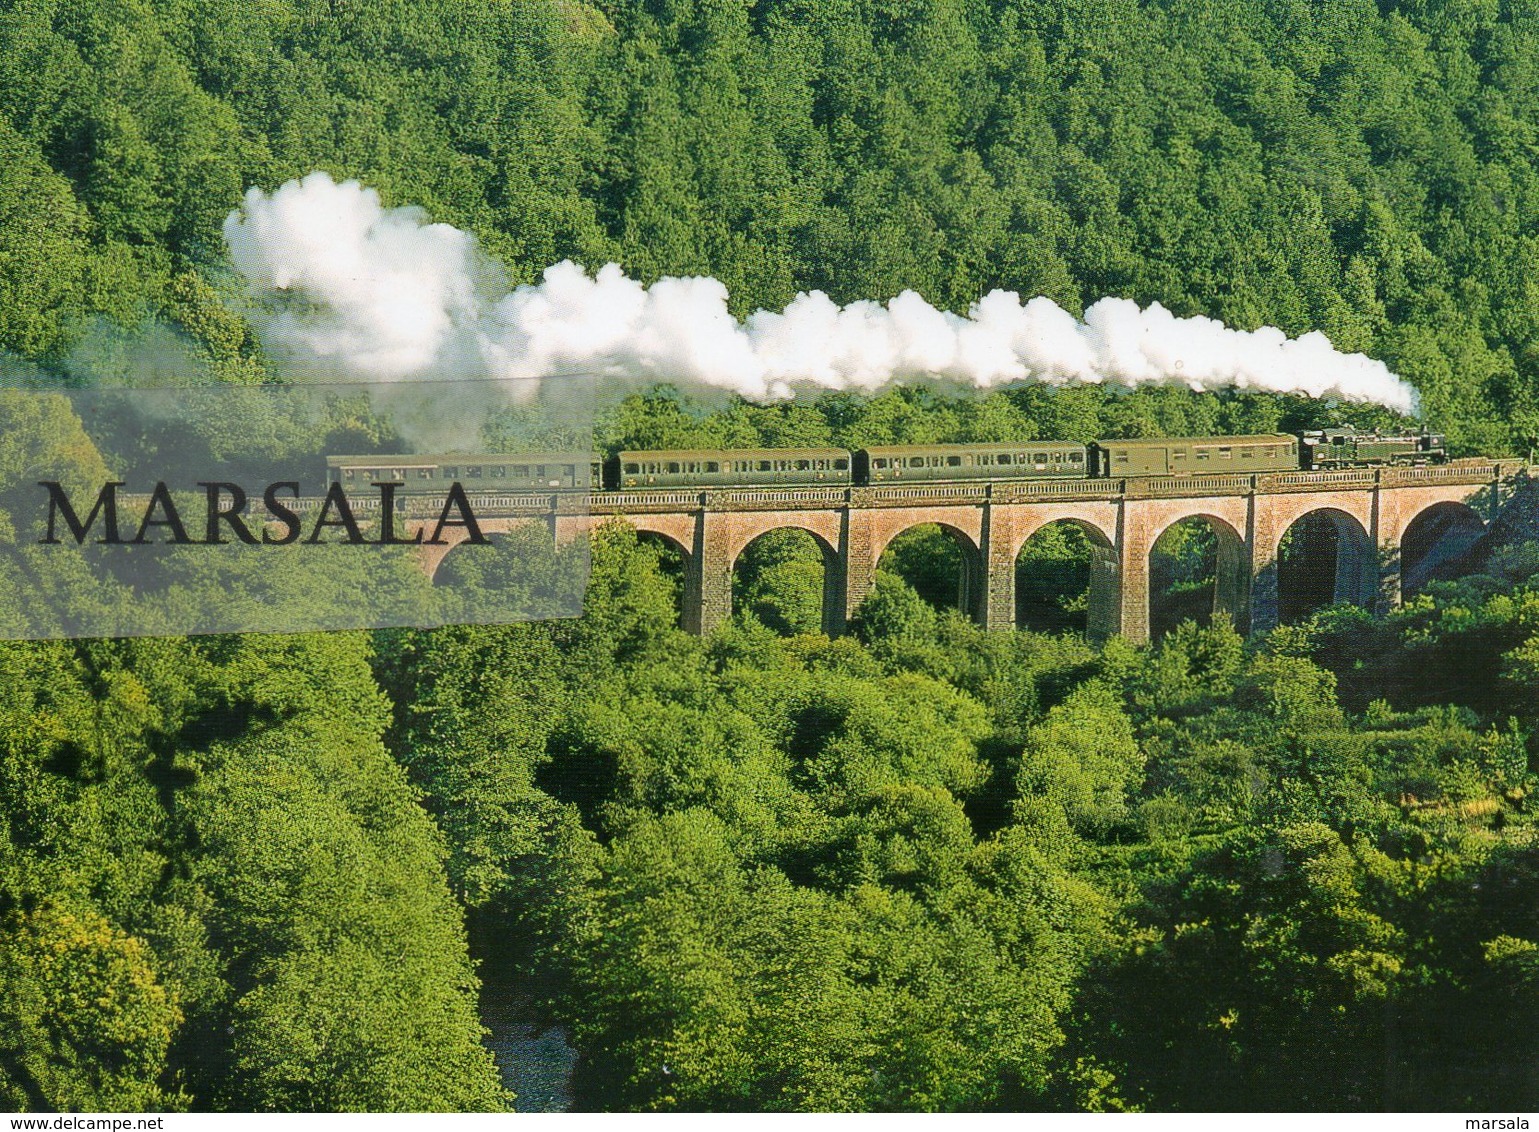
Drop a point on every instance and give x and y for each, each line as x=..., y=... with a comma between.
x=217, y=889
x=935, y=561
x=1356, y=169
x=1052, y=579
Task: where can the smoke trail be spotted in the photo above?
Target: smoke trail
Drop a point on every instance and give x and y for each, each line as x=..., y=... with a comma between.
x=382, y=294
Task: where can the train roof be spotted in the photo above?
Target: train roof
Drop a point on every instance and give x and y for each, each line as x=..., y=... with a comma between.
x=1255, y=438
x=987, y=446
x=720, y=454
x=416, y=460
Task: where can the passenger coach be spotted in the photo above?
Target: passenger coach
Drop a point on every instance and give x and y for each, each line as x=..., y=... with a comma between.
x=1029, y=460
x=534, y=471
x=747, y=467
x=1196, y=455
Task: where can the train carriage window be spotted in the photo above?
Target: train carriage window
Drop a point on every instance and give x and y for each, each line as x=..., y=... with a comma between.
x=452, y=473
x=673, y=467
x=803, y=465
x=1039, y=457
x=1120, y=457
x=1003, y=459
x=841, y=465
x=569, y=469
x=424, y=473
x=473, y=472
x=764, y=465
x=1247, y=453
x=1225, y=453
x=398, y=475
x=348, y=474
x=1203, y=454
x=632, y=469
x=953, y=461
x=879, y=462
x=1076, y=457
x=500, y=472
x=712, y=467
x=521, y=471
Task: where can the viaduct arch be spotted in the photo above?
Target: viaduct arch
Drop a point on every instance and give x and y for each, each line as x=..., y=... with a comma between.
x=1104, y=570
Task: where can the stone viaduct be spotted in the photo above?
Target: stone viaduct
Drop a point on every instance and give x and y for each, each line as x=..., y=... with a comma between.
x=1372, y=511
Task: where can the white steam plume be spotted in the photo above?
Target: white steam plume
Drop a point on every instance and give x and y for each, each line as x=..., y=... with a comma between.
x=385, y=295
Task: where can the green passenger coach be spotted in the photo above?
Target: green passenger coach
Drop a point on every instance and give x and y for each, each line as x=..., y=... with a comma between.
x=529, y=471
x=750, y=467
x=1197, y=456
x=1035, y=459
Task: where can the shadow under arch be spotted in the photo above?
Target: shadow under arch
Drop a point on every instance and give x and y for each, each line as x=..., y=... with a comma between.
x=942, y=563
x=1325, y=557
x=519, y=573
x=1066, y=580
x=1434, y=542
x=463, y=561
x=1196, y=568
x=786, y=577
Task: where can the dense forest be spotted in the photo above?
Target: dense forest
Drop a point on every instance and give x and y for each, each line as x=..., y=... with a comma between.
x=917, y=867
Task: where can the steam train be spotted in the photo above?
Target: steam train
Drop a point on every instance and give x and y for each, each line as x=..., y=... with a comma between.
x=1324, y=449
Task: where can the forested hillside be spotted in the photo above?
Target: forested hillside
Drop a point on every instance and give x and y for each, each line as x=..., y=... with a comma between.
x=1367, y=170
x=918, y=867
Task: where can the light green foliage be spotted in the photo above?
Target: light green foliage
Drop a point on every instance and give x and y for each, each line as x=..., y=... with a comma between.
x=88, y=1024
x=1084, y=757
x=932, y=560
x=906, y=728
x=778, y=580
x=43, y=251
x=893, y=611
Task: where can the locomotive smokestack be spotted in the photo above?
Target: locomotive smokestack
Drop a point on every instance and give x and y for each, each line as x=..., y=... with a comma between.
x=382, y=294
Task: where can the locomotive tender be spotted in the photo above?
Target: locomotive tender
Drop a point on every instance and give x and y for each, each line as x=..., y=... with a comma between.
x=893, y=464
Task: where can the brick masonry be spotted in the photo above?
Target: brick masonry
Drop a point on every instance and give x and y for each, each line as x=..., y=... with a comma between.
x=1371, y=509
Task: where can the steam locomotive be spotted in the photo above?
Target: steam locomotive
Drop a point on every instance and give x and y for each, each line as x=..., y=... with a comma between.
x=1323, y=449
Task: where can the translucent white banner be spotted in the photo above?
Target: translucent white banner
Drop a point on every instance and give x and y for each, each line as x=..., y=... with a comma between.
x=222, y=508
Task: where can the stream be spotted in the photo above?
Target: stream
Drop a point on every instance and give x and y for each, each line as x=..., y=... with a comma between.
x=535, y=1063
